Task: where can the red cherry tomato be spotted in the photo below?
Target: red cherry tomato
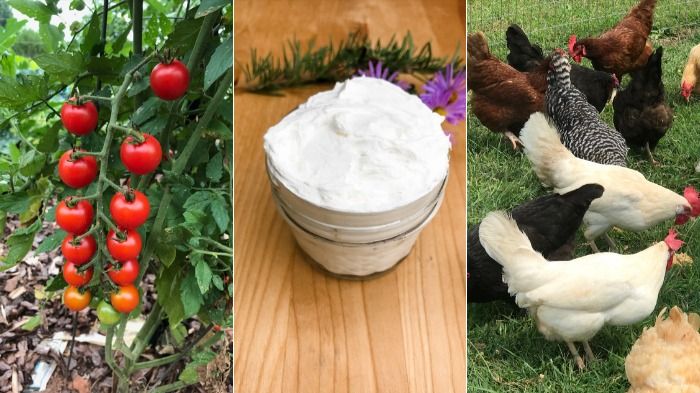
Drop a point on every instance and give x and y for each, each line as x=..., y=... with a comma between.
x=74, y=277
x=125, y=299
x=170, y=81
x=123, y=250
x=79, y=119
x=75, y=219
x=78, y=253
x=77, y=172
x=141, y=158
x=126, y=274
x=129, y=214
x=75, y=300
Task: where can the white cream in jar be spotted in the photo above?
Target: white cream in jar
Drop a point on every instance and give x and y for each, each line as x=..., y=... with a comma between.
x=365, y=146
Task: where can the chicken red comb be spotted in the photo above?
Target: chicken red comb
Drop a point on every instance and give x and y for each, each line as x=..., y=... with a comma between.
x=572, y=42
x=691, y=195
x=671, y=241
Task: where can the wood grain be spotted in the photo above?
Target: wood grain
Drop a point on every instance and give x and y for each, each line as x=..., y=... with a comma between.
x=297, y=329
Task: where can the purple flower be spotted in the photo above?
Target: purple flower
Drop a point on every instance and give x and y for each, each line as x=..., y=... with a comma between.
x=380, y=72
x=446, y=94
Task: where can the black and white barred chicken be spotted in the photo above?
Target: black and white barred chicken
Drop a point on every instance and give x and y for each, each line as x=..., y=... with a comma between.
x=580, y=126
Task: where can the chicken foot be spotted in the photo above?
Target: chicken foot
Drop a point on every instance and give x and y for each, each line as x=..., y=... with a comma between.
x=577, y=357
x=651, y=156
x=589, y=352
x=513, y=139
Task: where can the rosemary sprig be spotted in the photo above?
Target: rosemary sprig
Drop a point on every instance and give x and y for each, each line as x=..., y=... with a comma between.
x=267, y=74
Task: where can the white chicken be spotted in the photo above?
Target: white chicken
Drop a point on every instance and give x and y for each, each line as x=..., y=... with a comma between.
x=572, y=300
x=629, y=202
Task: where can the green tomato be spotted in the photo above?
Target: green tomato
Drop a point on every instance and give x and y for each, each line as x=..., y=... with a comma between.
x=107, y=314
x=78, y=5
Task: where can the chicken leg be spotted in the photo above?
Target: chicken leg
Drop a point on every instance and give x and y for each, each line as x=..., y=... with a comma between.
x=651, y=156
x=577, y=357
x=594, y=247
x=611, y=243
x=513, y=139
x=589, y=352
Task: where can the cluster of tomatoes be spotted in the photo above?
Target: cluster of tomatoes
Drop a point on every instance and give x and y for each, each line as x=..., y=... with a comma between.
x=141, y=154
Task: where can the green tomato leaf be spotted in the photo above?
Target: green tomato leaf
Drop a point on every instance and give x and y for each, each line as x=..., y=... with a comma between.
x=190, y=295
x=139, y=86
x=147, y=110
x=91, y=35
x=189, y=374
x=18, y=202
x=166, y=253
x=16, y=92
x=52, y=242
x=206, y=7
x=32, y=323
x=204, y=275
x=51, y=36
x=33, y=9
x=185, y=34
x=49, y=141
x=199, y=200
x=62, y=66
x=118, y=44
x=168, y=288
x=8, y=35
x=218, y=282
x=31, y=163
x=219, y=210
x=215, y=167
x=56, y=283
x=220, y=62
x=19, y=244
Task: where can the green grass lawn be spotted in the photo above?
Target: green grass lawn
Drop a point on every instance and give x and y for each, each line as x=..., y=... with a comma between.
x=506, y=353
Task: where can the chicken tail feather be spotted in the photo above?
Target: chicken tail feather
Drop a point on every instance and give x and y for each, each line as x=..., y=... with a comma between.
x=544, y=148
x=502, y=239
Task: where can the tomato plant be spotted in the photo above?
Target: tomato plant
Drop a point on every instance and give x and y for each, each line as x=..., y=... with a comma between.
x=79, y=119
x=129, y=209
x=74, y=216
x=181, y=207
x=125, y=274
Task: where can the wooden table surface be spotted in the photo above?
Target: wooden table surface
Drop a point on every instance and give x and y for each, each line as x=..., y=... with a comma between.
x=297, y=329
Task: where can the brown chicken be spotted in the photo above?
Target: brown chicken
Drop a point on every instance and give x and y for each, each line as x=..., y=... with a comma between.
x=622, y=49
x=665, y=358
x=503, y=98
